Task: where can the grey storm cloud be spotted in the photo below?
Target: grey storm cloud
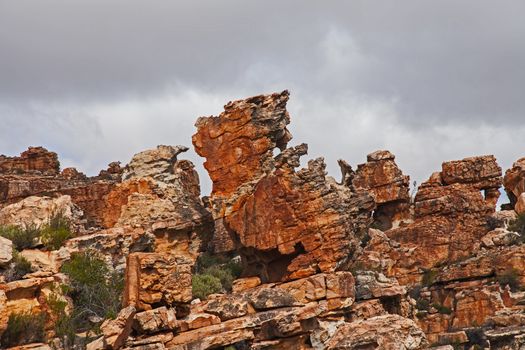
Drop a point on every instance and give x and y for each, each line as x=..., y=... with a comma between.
x=100, y=80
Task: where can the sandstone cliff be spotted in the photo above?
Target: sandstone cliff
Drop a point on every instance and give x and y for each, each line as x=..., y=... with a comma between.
x=277, y=257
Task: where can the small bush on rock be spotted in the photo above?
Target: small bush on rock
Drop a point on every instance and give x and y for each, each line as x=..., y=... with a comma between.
x=510, y=277
x=428, y=278
x=23, y=328
x=442, y=309
x=64, y=323
x=22, y=237
x=56, y=231
x=20, y=266
x=95, y=289
x=204, y=285
x=225, y=269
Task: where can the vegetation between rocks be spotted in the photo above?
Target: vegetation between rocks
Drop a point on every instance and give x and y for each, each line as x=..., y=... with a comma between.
x=52, y=234
x=56, y=231
x=23, y=328
x=429, y=277
x=214, y=274
x=95, y=290
x=22, y=237
x=20, y=266
x=511, y=278
x=442, y=309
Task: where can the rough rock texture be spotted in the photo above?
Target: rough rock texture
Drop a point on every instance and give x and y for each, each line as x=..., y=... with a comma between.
x=382, y=178
x=34, y=160
x=117, y=331
x=389, y=332
x=288, y=224
x=157, y=189
x=514, y=180
x=6, y=251
x=358, y=264
x=37, y=211
x=450, y=217
x=152, y=278
x=36, y=173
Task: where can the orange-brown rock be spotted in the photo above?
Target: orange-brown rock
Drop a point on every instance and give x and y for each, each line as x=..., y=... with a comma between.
x=389, y=332
x=514, y=180
x=238, y=144
x=87, y=193
x=382, y=178
x=289, y=224
x=34, y=160
x=473, y=307
x=244, y=284
x=450, y=218
x=520, y=204
x=156, y=320
x=118, y=330
x=159, y=192
x=153, y=278
x=119, y=197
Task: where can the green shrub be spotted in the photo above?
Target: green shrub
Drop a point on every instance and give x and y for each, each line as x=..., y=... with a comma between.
x=19, y=268
x=422, y=304
x=223, y=274
x=421, y=314
x=225, y=269
x=204, y=285
x=64, y=323
x=429, y=277
x=23, y=328
x=510, y=277
x=94, y=288
x=22, y=237
x=442, y=309
x=56, y=231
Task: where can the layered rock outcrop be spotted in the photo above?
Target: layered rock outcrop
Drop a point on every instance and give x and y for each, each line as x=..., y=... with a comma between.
x=287, y=223
x=355, y=264
x=37, y=173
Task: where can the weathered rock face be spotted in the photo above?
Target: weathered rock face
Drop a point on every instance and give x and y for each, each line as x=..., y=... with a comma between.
x=388, y=332
x=36, y=173
x=39, y=210
x=34, y=160
x=450, y=218
x=153, y=278
x=6, y=251
x=382, y=178
x=514, y=181
x=161, y=193
x=440, y=268
x=288, y=224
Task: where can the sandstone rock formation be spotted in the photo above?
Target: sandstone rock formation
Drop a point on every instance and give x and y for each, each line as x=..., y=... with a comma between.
x=355, y=264
x=36, y=173
x=288, y=224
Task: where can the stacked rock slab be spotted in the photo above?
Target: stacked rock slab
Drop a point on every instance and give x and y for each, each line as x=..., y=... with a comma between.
x=451, y=212
x=37, y=173
x=287, y=223
x=161, y=193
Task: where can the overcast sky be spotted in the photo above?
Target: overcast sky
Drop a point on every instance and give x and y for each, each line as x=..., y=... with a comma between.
x=100, y=80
